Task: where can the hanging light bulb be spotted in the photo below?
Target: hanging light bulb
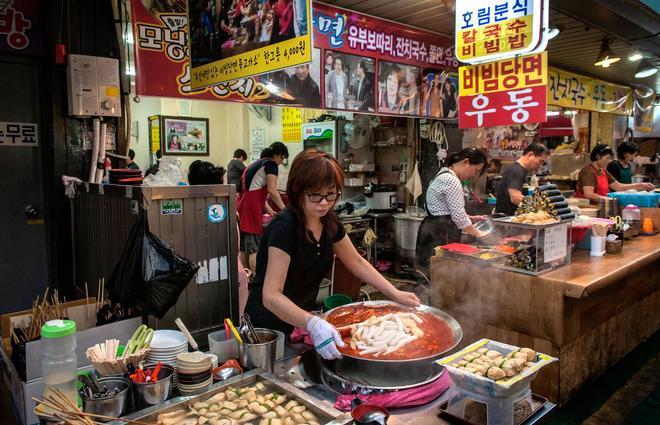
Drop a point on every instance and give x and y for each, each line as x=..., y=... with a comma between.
x=606, y=57
x=645, y=69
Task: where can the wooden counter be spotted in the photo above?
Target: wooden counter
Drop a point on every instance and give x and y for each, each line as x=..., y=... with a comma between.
x=588, y=314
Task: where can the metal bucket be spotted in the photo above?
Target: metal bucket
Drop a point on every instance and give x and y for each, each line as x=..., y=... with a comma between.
x=405, y=235
x=252, y=356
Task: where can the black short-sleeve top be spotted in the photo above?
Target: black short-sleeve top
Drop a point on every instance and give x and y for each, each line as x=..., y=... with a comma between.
x=310, y=262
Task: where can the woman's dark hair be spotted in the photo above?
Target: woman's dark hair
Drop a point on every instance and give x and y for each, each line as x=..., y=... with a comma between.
x=538, y=149
x=276, y=148
x=626, y=147
x=497, y=163
x=313, y=171
x=474, y=156
x=203, y=172
x=600, y=151
x=240, y=153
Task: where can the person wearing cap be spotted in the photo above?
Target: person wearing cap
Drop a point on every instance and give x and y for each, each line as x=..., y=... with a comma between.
x=594, y=181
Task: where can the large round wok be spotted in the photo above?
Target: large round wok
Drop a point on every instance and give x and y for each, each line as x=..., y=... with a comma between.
x=393, y=374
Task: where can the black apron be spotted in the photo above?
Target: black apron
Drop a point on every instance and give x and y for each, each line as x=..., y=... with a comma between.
x=435, y=230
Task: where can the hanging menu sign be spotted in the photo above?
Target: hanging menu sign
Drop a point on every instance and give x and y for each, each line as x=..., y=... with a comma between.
x=506, y=92
x=488, y=30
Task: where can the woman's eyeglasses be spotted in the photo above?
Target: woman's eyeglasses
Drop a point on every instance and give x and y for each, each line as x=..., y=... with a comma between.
x=317, y=197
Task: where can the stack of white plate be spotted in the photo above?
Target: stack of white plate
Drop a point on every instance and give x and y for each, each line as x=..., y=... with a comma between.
x=195, y=374
x=165, y=346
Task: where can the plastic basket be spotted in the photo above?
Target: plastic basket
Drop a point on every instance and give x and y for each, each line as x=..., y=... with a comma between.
x=485, y=386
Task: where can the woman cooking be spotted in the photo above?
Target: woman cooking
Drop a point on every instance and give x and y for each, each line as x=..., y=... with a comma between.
x=298, y=249
x=594, y=181
x=445, y=204
x=621, y=168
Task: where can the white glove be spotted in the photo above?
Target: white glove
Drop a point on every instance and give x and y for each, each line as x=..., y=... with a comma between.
x=325, y=337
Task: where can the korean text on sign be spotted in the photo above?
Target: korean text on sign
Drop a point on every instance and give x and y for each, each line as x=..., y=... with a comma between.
x=579, y=92
x=511, y=91
x=490, y=28
x=18, y=134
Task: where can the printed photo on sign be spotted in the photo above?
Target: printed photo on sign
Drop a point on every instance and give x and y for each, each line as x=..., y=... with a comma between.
x=440, y=94
x=349, y=81
x=186, y=136
x=223, y=28
x=297, y=85
x=398, y=88
x=237, y=39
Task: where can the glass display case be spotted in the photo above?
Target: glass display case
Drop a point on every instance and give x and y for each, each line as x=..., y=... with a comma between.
x=533, y=249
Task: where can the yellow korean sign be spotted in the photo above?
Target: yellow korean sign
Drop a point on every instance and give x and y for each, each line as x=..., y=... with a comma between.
x=251, y=43
x=508, y=74
x=489, y=30
x=575, y=91
x=291, y=125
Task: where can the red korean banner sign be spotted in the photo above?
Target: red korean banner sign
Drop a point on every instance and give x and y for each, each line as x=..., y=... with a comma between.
x=20, y=26
x=359, y=63
x=506, y=92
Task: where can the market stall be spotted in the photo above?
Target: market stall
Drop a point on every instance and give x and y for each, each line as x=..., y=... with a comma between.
x=589, y=313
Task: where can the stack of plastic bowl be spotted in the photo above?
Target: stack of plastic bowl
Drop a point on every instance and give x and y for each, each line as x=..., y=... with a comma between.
x=195, y=372
x=166, y=345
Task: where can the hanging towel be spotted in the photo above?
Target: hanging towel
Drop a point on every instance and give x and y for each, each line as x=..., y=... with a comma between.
x=414, y=184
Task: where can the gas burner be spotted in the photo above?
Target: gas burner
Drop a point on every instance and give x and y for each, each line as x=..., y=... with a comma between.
x=347, y=376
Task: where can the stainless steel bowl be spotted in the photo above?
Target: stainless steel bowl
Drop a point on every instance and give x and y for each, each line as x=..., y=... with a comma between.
x=395, y=374
x=150, y=393
x=108, y=406
x=457, y=334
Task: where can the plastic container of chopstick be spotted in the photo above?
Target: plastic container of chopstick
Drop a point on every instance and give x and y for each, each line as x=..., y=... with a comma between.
x=119, y=365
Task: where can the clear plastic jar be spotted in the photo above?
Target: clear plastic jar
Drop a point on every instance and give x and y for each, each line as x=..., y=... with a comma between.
x=59, y=363
x=632, y=216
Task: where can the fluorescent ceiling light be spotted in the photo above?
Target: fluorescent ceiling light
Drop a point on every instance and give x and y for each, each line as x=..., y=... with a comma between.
x=635, y=56
x=645, y=69
x=606, y=57
x=551, y=113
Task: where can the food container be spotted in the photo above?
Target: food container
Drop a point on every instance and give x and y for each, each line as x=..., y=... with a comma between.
x=323, y=411
x=546, y=247
x=489, y=256
x=108, y=406
x=614, y=247
x=252, y=356
x=487, y=387
x=398, y=371
x=222, y=347
x=150, y=393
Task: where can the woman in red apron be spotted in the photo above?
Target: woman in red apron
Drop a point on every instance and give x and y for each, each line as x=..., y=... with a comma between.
x=258, y=181
x=595, y=182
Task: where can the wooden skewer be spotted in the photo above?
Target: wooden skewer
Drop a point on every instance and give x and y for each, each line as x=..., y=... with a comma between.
x=89, y=415
x=86, y=303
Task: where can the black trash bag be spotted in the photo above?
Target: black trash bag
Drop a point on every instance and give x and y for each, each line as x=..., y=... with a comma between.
x=150, y=275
